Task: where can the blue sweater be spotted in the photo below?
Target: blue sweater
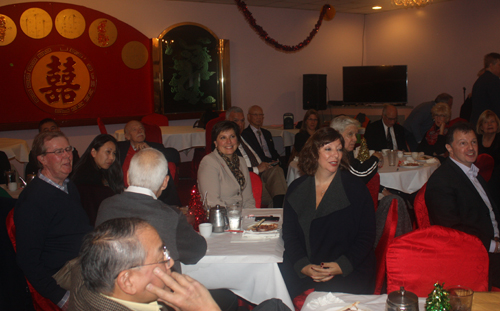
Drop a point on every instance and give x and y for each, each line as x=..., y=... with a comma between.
x=50, y=226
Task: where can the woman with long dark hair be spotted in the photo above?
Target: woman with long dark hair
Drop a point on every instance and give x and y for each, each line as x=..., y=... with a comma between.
x=98, y=174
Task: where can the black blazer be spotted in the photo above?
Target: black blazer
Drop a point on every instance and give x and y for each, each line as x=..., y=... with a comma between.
x=375, y=136
x=253, y=142
x=453, y=201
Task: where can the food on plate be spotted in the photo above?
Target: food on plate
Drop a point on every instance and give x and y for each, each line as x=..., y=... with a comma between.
x=353, y=307
x=411, y=164
x=263, y=227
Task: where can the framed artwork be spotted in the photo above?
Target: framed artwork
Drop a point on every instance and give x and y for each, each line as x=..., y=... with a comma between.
x=191, y=71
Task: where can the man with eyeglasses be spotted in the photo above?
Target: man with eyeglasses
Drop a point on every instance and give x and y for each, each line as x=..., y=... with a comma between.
x=49, y=218
x=259, y=138
x=386, y=133
x=124, y=265
x=46, y=125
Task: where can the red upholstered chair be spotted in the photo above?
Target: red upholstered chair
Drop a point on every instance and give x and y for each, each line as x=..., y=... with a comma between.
x=256, y=188
x=172, y=168
x=155, y=118
x=421, y=212
x=373, y=186
x=388, y=235
x=298, y=302
x=208, y=133
x=40, y=303
x=101, y=125
x=419, y=259
x=153, y=133
x=456, y=120
x=485, y=164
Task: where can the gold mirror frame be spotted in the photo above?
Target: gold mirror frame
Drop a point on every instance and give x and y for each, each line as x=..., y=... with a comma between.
x=223, y=102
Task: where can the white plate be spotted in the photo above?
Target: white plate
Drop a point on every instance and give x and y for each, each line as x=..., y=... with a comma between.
x=411, y=166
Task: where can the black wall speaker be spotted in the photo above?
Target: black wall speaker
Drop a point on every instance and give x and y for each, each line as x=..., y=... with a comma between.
x=314, y=92
x=288, y=121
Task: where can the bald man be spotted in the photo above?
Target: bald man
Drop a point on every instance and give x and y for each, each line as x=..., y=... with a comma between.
x=386, y=133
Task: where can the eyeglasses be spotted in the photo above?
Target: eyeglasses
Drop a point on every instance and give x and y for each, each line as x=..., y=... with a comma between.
x=59, y=152
x=166, y=260
x=257, y=114
x=312, y=119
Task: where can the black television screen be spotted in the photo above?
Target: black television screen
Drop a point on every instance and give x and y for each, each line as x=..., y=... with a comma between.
x=375, y=84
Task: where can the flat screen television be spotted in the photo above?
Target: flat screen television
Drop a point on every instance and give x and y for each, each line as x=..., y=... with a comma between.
x=375, y=84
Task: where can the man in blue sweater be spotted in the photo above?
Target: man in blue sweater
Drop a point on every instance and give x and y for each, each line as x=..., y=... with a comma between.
x=49, y=218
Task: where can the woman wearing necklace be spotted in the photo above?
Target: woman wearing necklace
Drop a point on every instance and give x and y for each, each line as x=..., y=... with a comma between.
x=328, y=223
x=222, y=174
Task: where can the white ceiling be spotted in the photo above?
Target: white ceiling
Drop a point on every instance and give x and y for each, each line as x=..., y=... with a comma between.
x=343, y=6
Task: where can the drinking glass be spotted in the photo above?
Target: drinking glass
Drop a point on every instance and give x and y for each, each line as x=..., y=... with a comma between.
x=234, y=216
x=460, y=298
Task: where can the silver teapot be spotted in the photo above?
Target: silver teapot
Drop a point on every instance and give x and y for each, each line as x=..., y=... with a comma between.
x=401, y=300
x=218, y=218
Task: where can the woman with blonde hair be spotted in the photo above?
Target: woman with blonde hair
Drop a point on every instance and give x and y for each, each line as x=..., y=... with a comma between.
x=434, y=142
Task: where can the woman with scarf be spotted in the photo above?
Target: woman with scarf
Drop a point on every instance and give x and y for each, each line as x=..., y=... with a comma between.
x=434, y=142
x=222, y=174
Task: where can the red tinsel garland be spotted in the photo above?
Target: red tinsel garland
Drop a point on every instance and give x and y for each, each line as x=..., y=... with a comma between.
x=263, y=34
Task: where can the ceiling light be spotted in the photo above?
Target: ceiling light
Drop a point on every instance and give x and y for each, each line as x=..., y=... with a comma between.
x=378, y=7
x=411, y=3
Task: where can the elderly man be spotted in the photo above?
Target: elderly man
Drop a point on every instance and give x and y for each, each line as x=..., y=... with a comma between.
x=258, y=138
x=148, y=177
x=457, y=197
x=273, y=178
x=125, y=266
x=46, y=125
x=136, y=140
x=486, y=89
x=49, y=218
x=386, y=133
x=420, y=120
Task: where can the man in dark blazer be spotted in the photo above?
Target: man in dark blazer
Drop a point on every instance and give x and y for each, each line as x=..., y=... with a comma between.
x=386, y=133
x=259, y=138
x=136, y=140
x=458, y=198
x=486, y=89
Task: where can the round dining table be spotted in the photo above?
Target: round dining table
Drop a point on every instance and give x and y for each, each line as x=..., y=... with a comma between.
x=15, y=148
x=404, y=178
x=399, y=177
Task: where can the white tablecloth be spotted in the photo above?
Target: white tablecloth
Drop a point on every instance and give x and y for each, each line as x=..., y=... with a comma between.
x=15, y=148
x=287, y=135
x=407, y=180
x=293, y=172
x=367, y=302
x=178, y=137
x=248, y=267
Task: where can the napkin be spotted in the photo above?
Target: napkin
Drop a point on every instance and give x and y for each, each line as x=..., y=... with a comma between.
x=261, y=235
x=323, y=301
x=432, y=160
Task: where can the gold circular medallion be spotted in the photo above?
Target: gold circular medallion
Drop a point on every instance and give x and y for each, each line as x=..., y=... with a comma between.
x=103, y=32
x=8, y=30
x=70, y=23
x=60, y=80
x=36, y=23
x=135, y=55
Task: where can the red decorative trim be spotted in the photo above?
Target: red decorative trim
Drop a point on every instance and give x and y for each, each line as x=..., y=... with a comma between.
x=264, y=35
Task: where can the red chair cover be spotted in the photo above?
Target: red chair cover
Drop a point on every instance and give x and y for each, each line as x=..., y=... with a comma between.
x=451, y=122
x=172, y=168
x=373, y=186
x=388, y=234
x=421, y=212
x=40, y=303
x=153, y=133
x=208, y=133
x=298, y=302
x=155, y=118
x=485, y=164
x=101, y=125
x=419, y=259
x=256, y=188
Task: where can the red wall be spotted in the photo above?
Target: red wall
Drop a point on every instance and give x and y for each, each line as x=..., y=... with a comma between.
x=120, y=91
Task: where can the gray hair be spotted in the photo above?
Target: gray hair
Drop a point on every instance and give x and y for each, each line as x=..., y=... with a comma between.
x=234, y=109
x=39, y=146
x=341, y=122
x=148, y=169
x=109, y=249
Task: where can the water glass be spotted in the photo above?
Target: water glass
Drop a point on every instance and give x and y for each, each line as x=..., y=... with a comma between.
x=234, y=216
x=460, y=298
x=392, y=155
x=11, y=179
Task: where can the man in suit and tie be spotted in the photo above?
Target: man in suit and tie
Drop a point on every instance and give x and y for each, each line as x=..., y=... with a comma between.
x=457, y=197
x=259, y=138
x=386, y=133
x=273, y=178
